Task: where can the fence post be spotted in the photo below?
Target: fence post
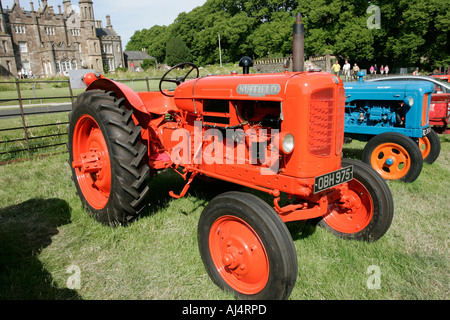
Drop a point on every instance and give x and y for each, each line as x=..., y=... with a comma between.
x=148, y=85
x=71, y=92
x=23, y=117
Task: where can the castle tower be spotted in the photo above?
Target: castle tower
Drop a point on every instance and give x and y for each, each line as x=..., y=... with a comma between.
x=86, y=10
x=93, y=54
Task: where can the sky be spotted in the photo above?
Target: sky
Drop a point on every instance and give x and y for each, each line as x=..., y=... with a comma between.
x=127, y=16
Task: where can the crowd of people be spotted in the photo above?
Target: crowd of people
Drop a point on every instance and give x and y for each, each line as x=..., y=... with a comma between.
x=350, y=72
x=24, y=74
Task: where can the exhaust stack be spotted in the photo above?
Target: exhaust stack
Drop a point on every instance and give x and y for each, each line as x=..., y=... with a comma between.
x=298, y=45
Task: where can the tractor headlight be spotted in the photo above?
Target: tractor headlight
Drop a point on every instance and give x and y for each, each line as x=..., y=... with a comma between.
x=287, y=142
x=409, y=101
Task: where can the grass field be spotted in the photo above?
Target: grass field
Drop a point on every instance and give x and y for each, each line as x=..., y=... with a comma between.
x=46, y=239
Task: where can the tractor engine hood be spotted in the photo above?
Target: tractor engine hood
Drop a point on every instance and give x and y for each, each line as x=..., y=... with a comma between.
x=261, y=87
x=387, y=90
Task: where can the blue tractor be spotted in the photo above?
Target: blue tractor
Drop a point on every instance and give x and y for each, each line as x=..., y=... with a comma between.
x=393, y=118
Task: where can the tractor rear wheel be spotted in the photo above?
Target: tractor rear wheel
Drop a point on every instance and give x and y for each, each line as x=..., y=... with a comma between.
x=367, y=209
x=107, y=158
x=430, y=147
x=394, y=156
x=246, y=247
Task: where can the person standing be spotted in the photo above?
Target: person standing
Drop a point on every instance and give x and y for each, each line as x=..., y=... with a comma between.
x=372, y=69
x=336, y=67
x=386, y=69
x=381, y=69
x=346, y=69
x=355, y=71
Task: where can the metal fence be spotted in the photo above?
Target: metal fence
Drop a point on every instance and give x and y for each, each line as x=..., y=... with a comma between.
x=21, y=136
x=34, y=116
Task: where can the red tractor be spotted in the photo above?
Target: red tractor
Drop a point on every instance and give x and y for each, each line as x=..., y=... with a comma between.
x=281, y=134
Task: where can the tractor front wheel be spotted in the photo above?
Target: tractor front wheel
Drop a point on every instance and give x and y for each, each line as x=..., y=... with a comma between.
x=430, y=147
x=366, y=208
x=394, y=156
x=107, y=158
x=246, y=247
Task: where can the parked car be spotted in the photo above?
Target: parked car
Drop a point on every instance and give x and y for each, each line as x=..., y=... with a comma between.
x=440, y=99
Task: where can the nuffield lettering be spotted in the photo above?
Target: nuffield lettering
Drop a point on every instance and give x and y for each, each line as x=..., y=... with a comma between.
x=258, y=90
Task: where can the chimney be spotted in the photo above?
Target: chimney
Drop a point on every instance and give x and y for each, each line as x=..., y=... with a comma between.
x=108, y=22
x=99, y=24
x=44, y=4
x=67, y=7
x=298, y=45
x=32, y=6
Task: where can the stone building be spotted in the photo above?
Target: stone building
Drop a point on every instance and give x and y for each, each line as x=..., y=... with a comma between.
x=134, y=59
x=50, y=43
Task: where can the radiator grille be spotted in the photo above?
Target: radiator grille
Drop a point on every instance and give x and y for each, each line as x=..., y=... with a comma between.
x=425, y=109
x=340, y=121
x=321, y=119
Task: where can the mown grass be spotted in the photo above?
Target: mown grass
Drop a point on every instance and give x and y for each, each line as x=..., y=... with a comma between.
x=44, y=230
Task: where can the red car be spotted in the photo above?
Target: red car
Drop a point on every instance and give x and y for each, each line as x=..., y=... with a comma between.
x=439, y=114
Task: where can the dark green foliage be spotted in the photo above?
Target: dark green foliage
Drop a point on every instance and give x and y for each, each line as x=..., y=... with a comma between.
x=177, y=51
x=412, y=33
x=148, y=63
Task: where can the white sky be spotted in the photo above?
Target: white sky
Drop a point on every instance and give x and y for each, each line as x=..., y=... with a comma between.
x=127, y=16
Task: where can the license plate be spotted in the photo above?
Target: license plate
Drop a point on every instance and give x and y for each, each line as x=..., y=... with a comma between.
x=332, y=179
x=426, y=131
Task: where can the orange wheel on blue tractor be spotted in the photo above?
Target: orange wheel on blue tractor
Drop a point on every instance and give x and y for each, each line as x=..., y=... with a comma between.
x=394, y=156
x=430, y=147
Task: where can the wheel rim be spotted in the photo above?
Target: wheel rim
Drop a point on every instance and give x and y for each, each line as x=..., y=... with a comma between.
x=391, y=161
x=424, y=146
x=239, y=255
x=355, y=211
x=91, y=162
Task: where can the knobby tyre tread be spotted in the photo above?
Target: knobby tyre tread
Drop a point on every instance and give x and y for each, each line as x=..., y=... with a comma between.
x=129, y=186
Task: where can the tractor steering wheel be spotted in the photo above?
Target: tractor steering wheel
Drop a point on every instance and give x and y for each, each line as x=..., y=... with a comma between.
x=177, y=80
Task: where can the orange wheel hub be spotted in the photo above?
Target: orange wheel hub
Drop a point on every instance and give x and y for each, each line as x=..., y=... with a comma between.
x=91, y=162
x=354, y=212
x=239, y=255
x=391, y=161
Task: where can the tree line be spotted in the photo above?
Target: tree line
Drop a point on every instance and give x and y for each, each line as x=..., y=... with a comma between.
x=408, y=33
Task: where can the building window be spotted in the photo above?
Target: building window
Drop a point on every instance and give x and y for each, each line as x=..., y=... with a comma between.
x=4, y=46
x=23, y=46
x=111, y=66
x=50, y=31
x=75, y=32
x=26, y=65
x=57, y=66
x=74, y=64
x=107, y=48
x=20, y=29
x=65, y=66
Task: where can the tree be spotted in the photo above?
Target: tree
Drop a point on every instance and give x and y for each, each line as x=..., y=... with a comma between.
x=413, y=32
x=148, y=63
x=177, y=51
